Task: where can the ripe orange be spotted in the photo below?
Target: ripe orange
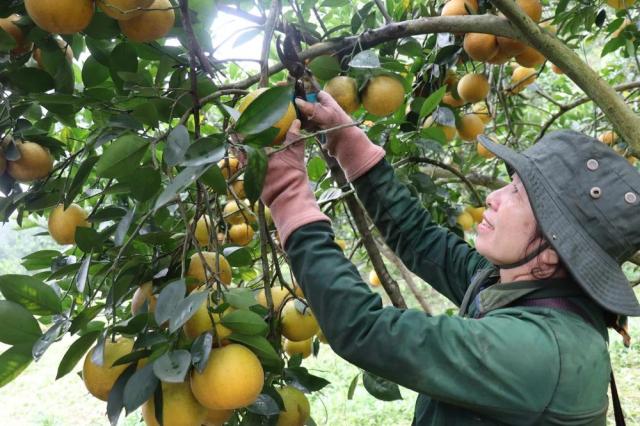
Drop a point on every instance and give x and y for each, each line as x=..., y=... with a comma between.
x=60, y=16
x=241, y=234
x=200, y=322
x=196, y=269
x=383, y=95
x=278, y=295
x=475, y=212
x=452, y=101
x=510, y=47
x=484, y=152
x=533, y=8
x=217, y=417
x=296, y=407
x=345, y=91
x=480, y=47
x=232, y=378
x=143, y=294
x=297, y=325
x=530, y=58
x=235, y=213
x=229, y=166
x=473, y=87
x=609, y=137
x=469, y=127
x=63, y=223
x=303, y=347
x=521, y=78
x=151, y=24
x=482, y=111
x=374, y=280
x=282, y=125
x=238, y=189
x=459, y=7
x=179, y=407
x=465, y=220
x=449, y=132
x=35, y=163
x=203, y=227
x=99, y=379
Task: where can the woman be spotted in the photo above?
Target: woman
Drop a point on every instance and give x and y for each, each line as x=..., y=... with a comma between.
x=530, y=344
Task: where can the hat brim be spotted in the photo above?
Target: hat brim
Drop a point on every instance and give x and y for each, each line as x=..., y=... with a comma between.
x=594, y=269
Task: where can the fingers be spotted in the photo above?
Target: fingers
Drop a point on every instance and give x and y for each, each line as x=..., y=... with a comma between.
x=307, y=108
x=294, y=130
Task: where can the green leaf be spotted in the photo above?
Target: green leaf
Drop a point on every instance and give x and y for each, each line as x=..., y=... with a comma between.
x=13, y=361
x=80, y=178
x=265, y=111
x=139, y=388
x=245, y=322
x=238, y=256
x=310, y=382
x=380, y=388
x=93, y=72
x=185, y=178
x=102, y=27
x=262, y=139
x=260, y=346
x=123, y=58
x=365, y=59
x=84, y=317
x=316, y=168
x=88, y=239
x=264, y=405
x=144, y=183
x=123, y=227
x=32, y=80
x=186, y=308
x=75, y=352
x=255, y=173
x=83, y=273
x=173, y=366
x=352, y=387
x=115, y=403
x=33, y=294
x=214, y=179
x=200, y=351
x=18, y=325
x=168, y=300
x=432, y=102
x=178, y=142
x=240, y=297
x=122, y=156
x=325, y=67
x=204, y=151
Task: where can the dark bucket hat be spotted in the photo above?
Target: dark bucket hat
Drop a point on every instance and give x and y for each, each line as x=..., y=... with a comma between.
x=586, y=199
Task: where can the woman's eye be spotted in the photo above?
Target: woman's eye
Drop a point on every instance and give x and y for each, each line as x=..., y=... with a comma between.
x=515, y=188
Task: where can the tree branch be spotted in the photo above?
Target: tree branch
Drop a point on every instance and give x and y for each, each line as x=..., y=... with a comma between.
x=269, y=28
x=622, y=117
x=384, y=12
x=564, y=108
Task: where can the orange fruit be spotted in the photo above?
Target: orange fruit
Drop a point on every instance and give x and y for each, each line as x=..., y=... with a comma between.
x=150, y=25
x=241, y=234
x=469, y=127
x=9, y=26
x=60, y=16
x=459, y=7
x=530, y=57
x=144, y=294
x=374, y=280
x=196, y=269
x=473, y=87
x=63, y=223
x=452, y=101
x=123, y=10
x=282, y=125
x=179, y=407
x=296, y=325
x=99, y=379
x=229, y=166
x=35, y=163
x=480, y=47
x=232, y=378
x=533, y=8
x=383, y=95
x=345, y=91
x=303, y=347
x=609, y=137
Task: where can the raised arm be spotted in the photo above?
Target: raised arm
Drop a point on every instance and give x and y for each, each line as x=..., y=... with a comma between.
x=434, y=253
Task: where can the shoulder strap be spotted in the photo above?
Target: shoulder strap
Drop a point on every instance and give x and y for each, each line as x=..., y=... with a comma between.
x=562, y=303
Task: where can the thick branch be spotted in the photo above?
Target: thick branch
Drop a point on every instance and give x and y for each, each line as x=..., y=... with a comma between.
x=625, y=121
x=564, y=108
x=479, y=23
x=360, y=218
x=406, y=275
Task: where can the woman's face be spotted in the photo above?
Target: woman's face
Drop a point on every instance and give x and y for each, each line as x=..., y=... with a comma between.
x=508, y=225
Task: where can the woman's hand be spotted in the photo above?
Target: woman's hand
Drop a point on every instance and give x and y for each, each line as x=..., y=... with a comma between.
x=326, y=113
x=286, y=187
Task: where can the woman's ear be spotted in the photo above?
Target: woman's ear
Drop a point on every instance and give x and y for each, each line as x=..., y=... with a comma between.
x=550, y=257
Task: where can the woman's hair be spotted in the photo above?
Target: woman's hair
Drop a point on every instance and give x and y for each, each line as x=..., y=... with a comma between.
x=538, y=268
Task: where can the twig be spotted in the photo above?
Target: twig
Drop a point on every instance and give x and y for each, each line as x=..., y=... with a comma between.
x=269, y=28
x=384, y=12
x=445, y=166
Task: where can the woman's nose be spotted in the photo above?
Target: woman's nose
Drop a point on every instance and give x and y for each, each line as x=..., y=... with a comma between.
x=492, y=200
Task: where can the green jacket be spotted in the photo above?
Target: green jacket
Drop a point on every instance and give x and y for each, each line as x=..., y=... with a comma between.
x=514, y=365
